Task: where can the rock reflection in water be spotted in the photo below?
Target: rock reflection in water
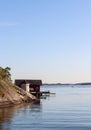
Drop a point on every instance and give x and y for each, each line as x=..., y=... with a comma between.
x=7, y=114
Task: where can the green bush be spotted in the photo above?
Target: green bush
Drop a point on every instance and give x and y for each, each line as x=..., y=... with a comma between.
x=5, y=73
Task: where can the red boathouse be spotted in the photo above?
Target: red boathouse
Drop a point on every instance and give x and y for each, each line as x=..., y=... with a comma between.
x=32, y=86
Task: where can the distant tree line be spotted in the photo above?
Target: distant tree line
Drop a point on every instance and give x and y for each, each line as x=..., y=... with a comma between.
x=5, y=73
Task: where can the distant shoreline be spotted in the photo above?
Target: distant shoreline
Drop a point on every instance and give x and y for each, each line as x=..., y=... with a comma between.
x=66, y=83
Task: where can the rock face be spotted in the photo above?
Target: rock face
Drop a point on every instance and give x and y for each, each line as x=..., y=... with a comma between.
x=10, y=95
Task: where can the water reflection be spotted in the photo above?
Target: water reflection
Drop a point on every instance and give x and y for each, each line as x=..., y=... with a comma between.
x=7, y=114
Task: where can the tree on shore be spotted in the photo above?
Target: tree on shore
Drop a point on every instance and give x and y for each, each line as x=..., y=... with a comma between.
x=5, y=73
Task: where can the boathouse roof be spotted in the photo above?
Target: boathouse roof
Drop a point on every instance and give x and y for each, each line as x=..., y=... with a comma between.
x=32, y=82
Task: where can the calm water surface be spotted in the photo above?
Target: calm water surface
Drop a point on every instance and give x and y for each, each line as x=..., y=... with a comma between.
x=68, y=109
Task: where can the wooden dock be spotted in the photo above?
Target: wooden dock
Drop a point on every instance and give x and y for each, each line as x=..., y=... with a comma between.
x=38, y=94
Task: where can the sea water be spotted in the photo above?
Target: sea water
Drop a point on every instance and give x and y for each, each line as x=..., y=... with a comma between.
x=68, y=109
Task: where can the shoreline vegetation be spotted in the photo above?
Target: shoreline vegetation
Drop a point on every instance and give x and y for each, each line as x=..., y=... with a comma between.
x=11, y=94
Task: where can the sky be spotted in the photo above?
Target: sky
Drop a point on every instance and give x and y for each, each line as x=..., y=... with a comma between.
x=46, y=39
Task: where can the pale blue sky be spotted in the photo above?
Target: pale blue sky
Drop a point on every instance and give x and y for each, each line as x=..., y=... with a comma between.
x=46, y=39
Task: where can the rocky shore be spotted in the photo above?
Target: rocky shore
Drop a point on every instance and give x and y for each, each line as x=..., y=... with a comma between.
x=12, y=95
